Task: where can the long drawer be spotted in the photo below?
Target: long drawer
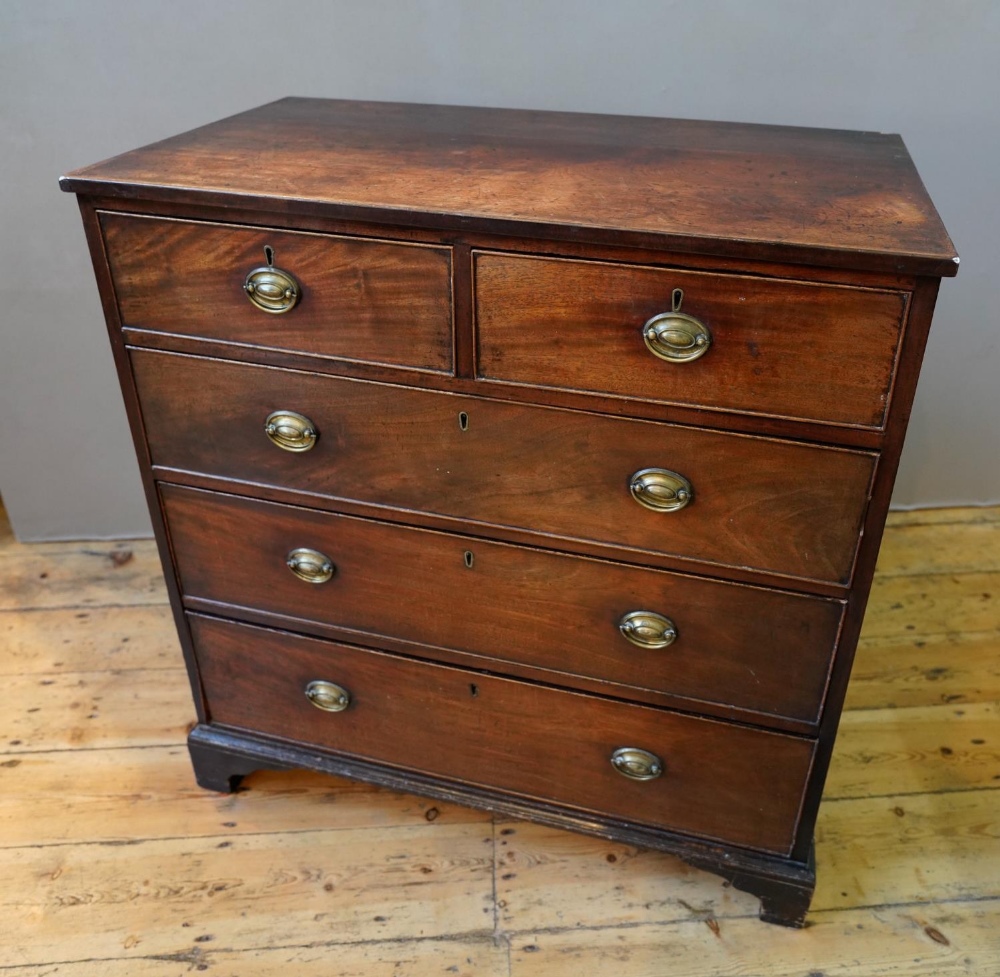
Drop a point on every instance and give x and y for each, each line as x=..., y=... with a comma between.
x=754, y=503
x=742, y=648
x=732, y=783
x=772, y=347
x=358, y=299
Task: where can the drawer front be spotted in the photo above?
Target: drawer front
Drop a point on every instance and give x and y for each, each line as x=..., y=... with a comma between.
x=813, y=352
x=361, y=299
x=758, y=503
x=762, y=651
x=732, y=783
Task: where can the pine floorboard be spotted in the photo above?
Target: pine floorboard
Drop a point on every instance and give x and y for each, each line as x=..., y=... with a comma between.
x=113, y=861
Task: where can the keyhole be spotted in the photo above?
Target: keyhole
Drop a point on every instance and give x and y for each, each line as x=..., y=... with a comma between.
x=474, y=689
x=463, y=420
x=269, y=254
x=469, y=559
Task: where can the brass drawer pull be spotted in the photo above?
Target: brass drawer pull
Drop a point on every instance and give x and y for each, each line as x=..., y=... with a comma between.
x=675, y=336
x=271, y=289
x=290, y=431
x=328, y=696
x=647, y=629
x=660, y=490
x=310, y=565
x=636, y=764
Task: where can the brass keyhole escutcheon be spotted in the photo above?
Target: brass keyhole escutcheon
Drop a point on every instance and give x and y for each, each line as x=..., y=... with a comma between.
x=636, y=764
x=271, y=289
x=328, y=696
x=675, y=336
x=310, y=565
x=660, y=489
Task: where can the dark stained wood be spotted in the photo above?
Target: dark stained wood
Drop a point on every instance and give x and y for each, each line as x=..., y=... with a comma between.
x=578, y=325
x=661, y=698
x=917, y=329
x=514, y=736
x=222, y=757
x=849, y=437
x=763, y=651
x=765, y=215
x=200, y=209
x=222, y=771
x=464, y=342
x=363, y=300
x=507, y=534
x=766, y=504
x=102, y=272
x=816, y=196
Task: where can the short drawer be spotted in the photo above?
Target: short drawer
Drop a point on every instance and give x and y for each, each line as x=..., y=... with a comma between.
x=778, y=348
x=749, y=649
x=359, y=299
x=758, y=503
x=730, y=783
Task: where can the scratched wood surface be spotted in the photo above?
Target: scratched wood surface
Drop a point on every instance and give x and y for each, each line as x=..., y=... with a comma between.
x=112, y=860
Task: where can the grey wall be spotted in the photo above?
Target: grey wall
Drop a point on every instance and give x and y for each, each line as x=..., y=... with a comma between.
x=83, y=81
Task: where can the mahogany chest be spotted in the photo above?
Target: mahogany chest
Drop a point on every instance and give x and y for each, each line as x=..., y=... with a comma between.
x=536, y=461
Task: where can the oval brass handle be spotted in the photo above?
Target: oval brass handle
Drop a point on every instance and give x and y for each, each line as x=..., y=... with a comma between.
x=328, y=696
x=675, y=336
x=272, y=289
x=647, y=629
x=310, y=565
x=290, y=430
x=660, y=489
x=636, y=764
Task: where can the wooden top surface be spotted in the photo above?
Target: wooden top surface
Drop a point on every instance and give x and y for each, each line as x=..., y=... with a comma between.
x=818, y=196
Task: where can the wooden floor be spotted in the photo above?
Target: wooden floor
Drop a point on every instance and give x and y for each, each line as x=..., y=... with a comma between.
x=112, y=861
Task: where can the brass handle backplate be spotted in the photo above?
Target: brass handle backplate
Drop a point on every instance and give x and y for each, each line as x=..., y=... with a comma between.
x=647, y=629
x=310, y=565
x=290, y=430
x=675, y=336
x=272, y=289
x=328, y=696
x=636, y=764
x=660, y=490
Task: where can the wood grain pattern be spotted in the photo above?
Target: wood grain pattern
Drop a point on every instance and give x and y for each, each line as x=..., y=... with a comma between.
x=786, y=513
x=917, y=669
x=812, y=195
x=578, y=325
x=92, y=901
x=943, y=603
x=513, y=604
x=918, y=894
x=478, y=729
x=971, y=547
x=475, y=955
x=52, y=575
x=921, y=749
x=788, y=508
x=137, y=794
x=870, y=846
x=96, y=710
x=362, y=300
x=954, y=516
x=77, y=639
x=938, y=941
x=550, y=879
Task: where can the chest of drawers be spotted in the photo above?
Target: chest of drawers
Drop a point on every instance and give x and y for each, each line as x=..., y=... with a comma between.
x=534, y=461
